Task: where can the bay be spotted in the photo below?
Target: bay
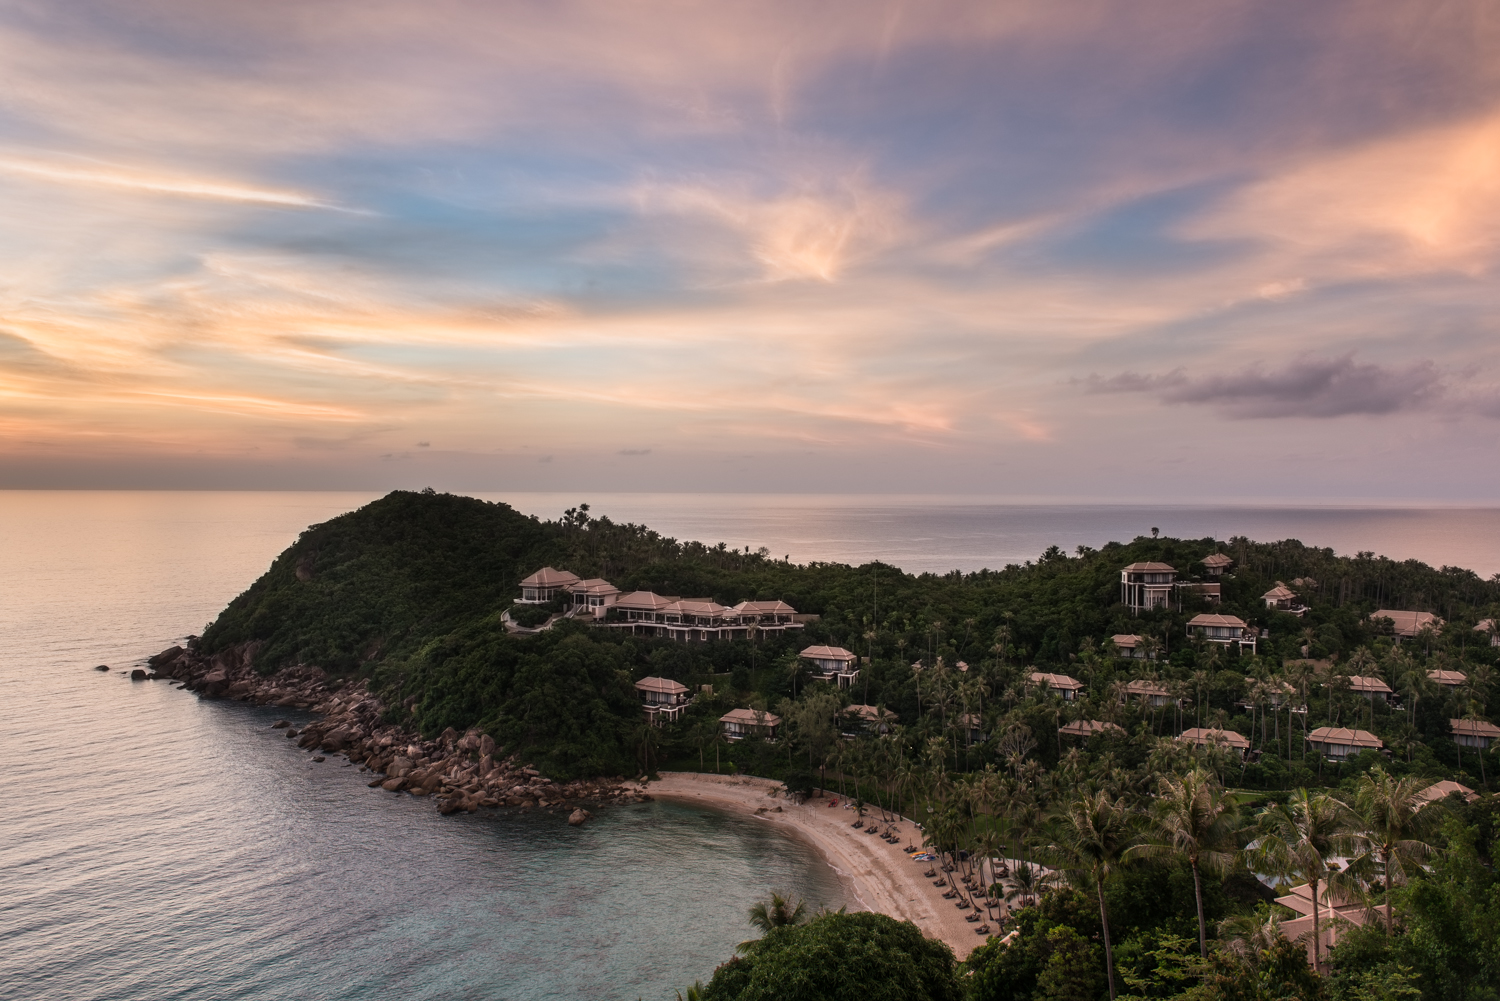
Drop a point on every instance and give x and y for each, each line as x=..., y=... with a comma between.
x=157, y=846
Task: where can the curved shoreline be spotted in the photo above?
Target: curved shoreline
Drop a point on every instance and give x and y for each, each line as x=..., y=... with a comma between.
x=880, y=876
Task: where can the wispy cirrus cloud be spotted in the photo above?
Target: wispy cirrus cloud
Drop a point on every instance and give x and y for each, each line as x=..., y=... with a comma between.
x=112, y=176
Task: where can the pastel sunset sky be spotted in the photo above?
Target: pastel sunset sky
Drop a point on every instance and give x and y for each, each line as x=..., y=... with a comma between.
x=1072, y=250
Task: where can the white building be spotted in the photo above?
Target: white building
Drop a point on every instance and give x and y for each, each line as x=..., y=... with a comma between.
x=1145, y=587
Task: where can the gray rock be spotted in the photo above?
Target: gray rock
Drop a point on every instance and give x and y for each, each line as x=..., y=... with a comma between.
x=578, y=816
x=399, y=767
x=102, y=667
x=138, y=675
x=487, y=745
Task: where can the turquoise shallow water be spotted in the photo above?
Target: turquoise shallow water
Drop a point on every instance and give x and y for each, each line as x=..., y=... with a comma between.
x=156, y=846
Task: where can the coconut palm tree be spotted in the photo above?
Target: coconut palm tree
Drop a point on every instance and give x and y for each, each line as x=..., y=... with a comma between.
x=778, y=912
x=1095, y=834
x=1388, y=826
x=1027, y=884
x=1193, y=818
x=1299, y=837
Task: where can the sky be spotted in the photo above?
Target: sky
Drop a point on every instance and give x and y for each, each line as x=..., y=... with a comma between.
x=1092, y=251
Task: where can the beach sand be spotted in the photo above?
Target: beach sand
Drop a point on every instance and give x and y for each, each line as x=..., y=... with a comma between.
x=880, y=875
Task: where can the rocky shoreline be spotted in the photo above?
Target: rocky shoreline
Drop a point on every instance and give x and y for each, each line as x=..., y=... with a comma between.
x=460, y=772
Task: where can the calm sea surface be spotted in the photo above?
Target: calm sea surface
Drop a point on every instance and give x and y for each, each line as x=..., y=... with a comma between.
x=153, y=845
x=156, y=846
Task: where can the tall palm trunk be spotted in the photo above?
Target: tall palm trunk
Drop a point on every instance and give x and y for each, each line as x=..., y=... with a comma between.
x=1389, y=925
x=1202, y=926
x=1109, y=954
x=1317, y=944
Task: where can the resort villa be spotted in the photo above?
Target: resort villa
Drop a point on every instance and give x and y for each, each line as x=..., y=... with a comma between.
x=1145, y=587
x=1407, y=624
x=1204, y=737
x=1474, y=733
x=646, y=613
x=1448, y=679
x=1149, y=692
x=1216, y=564
x=663, y=698
x=833, y=664
x=1370, y=687
x=1336, y=914
x=1488, y=626
x=1130, y=646
x=1439, y=791
x=1283, y=599
x=1087, y=728
x=1226, y=630
x=1339, y=743
x=1058, y=684
x=868, y=719
x=544, y=585
x=742, y=723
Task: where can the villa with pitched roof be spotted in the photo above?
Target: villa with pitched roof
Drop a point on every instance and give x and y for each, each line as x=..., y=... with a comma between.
x=1145, y=587
x=1058, y=684
x=1215, y=564
x=1370, y=687
x=1474, y=733
x=544, y=585
x=1407, y=624
x=867, y=719
x=741, y=723
x=1087, y=728
x=595, y=596
x=1336, y=913
x=1205, y=737
x=1488, y=626
x=1339, y=743
x=1129, y=645
x=1284, y=599
x=664, y=699
x=1448, y=679
x=1226, y=630
x=1439, y=791
x=1149, y=692
x=833, y=664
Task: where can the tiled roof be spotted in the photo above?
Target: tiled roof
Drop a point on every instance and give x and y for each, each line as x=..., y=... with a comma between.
x=548, y=577
x=1447, y=677
x=1407, y=623
x=1358, y=683
x=1204, y=735
x=1444, y=789
x=1056, y=681
x=665, y=686
x=1217, y=560
x=1214, y=619
x=1086, y=727
x=828, y=653
x=872, y=713
x=1344, y=736
x=1125, y=641
x=1152, y=568
x=750, y=717
x=1475, y=727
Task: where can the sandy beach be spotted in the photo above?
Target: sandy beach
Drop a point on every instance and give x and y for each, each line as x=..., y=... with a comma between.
x=879, y=874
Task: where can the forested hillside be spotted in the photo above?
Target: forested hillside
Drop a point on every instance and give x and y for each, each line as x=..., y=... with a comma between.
x=408, y=591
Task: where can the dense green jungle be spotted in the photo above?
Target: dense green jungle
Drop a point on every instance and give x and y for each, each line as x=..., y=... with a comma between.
x=1147, y=857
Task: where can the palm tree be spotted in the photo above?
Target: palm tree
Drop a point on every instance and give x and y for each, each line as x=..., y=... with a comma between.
x=1027, y=884
x=1196, y=819
x=1388, y=826
x=778, y=912
x=1299, y=837
x=1095, y=836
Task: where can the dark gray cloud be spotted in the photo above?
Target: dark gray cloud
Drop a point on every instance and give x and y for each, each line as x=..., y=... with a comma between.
x=1307, y=387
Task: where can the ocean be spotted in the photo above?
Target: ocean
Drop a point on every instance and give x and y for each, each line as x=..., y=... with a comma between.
x=156, y=846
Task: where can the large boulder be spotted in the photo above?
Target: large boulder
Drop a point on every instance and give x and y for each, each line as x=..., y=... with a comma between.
x=486, y=745
x=215, y=682
x=138, y=675
x=166, y=657
x=399, y=767
x=578, y=816
x=337, y=739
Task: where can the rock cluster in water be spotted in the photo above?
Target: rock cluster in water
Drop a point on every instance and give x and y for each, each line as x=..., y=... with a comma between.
x=459, y=771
